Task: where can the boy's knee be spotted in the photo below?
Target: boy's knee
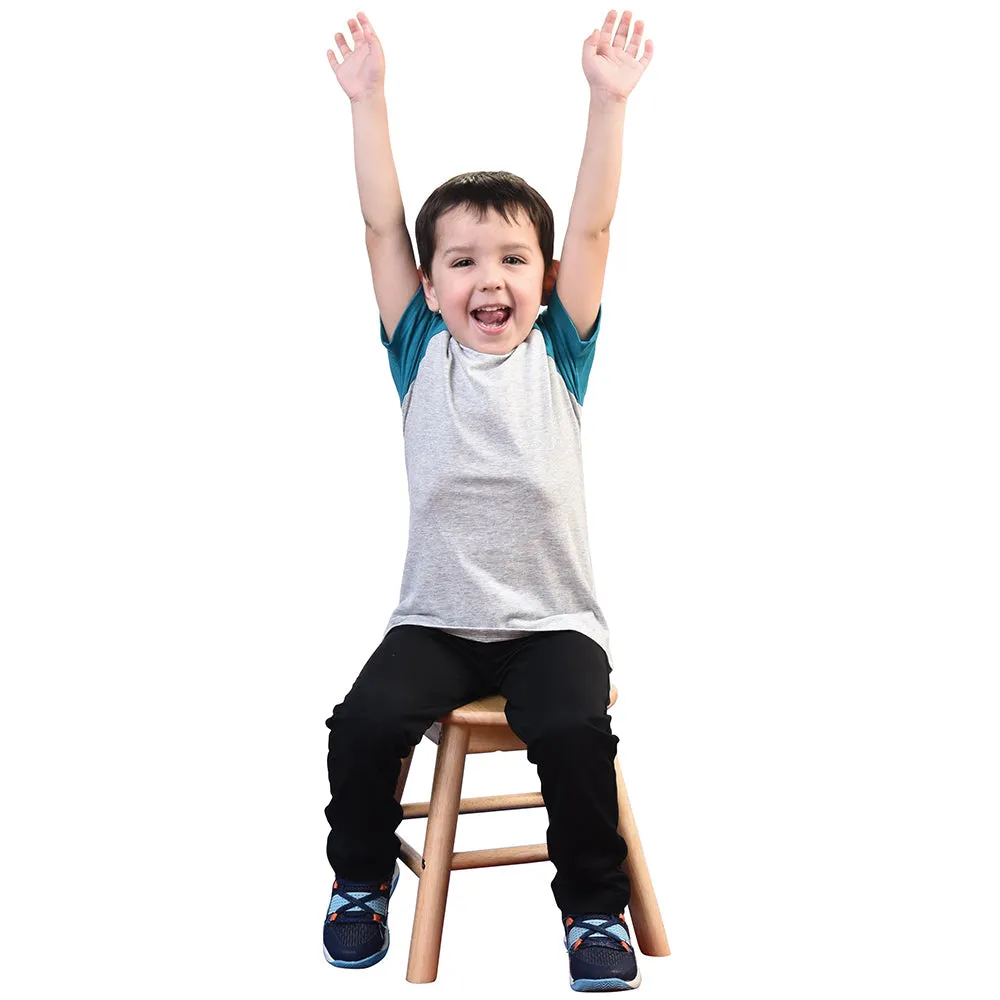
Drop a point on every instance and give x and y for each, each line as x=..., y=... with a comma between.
x=571, y=731
x=359, y=725
x=356, y=708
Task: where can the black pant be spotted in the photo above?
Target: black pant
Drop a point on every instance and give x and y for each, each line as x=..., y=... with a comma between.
x=557, y=686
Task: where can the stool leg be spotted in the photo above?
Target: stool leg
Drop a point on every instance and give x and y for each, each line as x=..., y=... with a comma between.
x=646, y=920
x=404, y=770
x=439, y=846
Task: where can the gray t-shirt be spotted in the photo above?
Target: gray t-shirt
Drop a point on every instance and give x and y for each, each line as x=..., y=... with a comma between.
x=498, y=545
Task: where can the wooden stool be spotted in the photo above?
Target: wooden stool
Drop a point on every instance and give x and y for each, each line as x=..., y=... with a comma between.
x=481, y=727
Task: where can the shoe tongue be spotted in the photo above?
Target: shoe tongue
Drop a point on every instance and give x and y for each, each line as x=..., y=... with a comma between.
x=379, y=904
x=605, y=936
x=354, y=895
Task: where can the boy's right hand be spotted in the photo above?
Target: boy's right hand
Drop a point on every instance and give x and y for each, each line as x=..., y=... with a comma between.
x=363, y=71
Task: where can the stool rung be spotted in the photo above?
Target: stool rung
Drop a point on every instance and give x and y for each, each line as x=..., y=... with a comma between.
x=484, y=803
x=488, y=858
x=410, y=857
x=499, y=856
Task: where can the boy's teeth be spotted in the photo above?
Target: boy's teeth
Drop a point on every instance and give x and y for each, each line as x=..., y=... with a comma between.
x=491, y=315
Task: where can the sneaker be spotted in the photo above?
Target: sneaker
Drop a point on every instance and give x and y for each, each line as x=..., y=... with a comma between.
x=356, y=931
x=600, y=953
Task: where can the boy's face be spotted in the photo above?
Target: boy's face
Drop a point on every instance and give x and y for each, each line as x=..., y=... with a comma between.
x=481, y=263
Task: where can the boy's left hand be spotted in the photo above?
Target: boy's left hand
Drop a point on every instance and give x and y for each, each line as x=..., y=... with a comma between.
x=610, y=66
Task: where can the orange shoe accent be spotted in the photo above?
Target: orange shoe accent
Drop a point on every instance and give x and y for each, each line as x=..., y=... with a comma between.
x=335, y=885
x=376, y=917
x=569, y=920
x=333, y=916
x=383, y=886
x=577, y=945
x=625, y=946
x=621, y=917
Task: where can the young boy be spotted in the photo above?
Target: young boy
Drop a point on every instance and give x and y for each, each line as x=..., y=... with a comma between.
x=497, y=592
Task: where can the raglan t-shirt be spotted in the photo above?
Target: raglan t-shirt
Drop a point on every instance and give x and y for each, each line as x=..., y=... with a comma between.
x=498, y=545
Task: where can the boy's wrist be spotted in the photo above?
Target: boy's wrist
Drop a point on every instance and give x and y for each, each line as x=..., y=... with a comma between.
x=604, y=98
x=378, y=94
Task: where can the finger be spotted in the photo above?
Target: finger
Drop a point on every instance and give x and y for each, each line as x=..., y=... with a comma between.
x=622, y=33
x=345, y=49
x=609, y=23
x=356, y=33
x=633, y=46
x=369, y=31
x=648, y=55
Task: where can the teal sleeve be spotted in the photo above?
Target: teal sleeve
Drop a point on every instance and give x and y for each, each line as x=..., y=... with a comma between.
x=409, y=341
x=573, y=356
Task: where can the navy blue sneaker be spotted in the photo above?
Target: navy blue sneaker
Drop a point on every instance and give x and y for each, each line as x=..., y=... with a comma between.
x=356, y=932
x=600, y=953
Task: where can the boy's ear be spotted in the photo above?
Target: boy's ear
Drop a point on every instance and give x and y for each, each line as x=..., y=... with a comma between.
x=429, y=297
x=549, y=282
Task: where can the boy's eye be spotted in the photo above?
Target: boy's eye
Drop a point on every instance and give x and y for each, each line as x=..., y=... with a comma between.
x=464, y=260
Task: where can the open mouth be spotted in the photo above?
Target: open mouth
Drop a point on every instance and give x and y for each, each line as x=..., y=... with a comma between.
x=492, y=321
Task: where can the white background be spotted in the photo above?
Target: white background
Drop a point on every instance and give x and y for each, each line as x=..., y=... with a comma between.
x=790, y=441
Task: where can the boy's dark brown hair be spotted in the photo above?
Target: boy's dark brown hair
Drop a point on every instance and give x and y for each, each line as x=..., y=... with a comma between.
x=481, y=190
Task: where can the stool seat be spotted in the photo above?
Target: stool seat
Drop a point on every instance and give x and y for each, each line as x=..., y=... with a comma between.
x=480, y=727
x=486, y=724
x=489, y=711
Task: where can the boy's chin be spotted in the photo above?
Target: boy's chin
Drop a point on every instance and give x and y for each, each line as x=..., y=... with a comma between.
x=475, y=340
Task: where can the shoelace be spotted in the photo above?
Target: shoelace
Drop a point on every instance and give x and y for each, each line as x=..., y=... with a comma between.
x=358, y=897
x=598, y=931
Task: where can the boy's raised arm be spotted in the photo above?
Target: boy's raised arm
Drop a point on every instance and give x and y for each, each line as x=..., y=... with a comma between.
x=612, y=71
x=390, y=253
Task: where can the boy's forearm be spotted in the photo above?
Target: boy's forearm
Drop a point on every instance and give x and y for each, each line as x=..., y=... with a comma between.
x=378, y=185
x=600, y=167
